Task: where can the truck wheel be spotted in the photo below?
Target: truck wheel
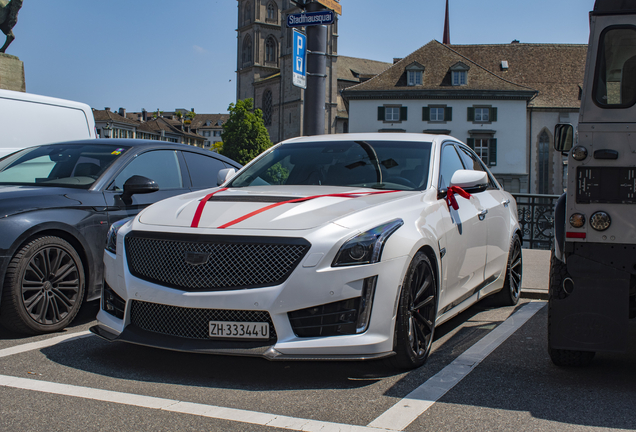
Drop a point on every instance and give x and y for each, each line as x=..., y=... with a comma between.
x=416, y=315
x=43, y=287
x=562, y=357
x=511, y=291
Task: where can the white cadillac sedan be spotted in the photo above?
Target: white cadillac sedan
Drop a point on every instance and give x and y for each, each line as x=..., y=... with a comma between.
x=334, y=247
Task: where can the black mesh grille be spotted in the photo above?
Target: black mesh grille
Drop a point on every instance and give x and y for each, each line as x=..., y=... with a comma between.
x=331, y=319
x=191, y=323
x=225, y=263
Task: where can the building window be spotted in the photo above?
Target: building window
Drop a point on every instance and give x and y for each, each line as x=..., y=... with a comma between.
x=486, y=149
x=440, y=113
x=459, y=74
x=272, y=13
x=267, y=108
x=247, y=50
x=216, y=133
x=544, y=163
x=247, y=13
x=482, y=114
x=437, y=114
x=270, y=50
x=414, y=77
x=392, y=114
x=459, y=78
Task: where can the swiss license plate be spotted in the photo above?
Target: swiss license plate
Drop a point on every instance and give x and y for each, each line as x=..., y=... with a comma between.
x=240, y=330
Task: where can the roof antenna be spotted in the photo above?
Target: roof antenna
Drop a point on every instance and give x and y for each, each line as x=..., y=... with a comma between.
x=446, y=27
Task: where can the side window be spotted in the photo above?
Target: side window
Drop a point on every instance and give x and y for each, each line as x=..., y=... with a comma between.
x=472, y=162
x=161, y=166
x=449, y=164
x=203, y=169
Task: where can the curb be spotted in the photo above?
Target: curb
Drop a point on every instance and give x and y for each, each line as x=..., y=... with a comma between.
x=535, y=294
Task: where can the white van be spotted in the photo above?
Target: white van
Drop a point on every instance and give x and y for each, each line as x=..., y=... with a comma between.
x=28, y=119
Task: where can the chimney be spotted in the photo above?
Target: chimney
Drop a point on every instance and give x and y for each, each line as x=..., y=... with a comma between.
x=107, y=109
x=144, y=114
x=396, y=59
x=122, y=112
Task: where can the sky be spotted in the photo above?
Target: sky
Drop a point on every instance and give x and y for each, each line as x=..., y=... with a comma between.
x=169, y=54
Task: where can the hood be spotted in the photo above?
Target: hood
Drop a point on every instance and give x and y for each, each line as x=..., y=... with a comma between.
x=270, y=208
x=21, y=199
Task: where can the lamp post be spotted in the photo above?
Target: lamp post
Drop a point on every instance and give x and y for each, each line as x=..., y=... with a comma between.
x=106, y=130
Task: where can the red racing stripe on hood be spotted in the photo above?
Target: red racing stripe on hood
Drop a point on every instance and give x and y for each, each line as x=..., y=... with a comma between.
x=199, y=211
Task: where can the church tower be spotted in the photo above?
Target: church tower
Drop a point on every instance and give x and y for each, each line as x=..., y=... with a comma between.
x=264, y=67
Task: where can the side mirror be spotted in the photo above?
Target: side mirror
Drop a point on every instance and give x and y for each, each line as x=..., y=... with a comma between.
x=138, y=185
x=469, y=180
x=563, y=137
x=224, y=175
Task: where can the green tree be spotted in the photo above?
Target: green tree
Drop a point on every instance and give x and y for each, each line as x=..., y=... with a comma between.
x=244, y=134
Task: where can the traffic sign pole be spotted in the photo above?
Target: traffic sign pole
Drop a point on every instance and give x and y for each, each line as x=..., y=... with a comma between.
x=314, y=116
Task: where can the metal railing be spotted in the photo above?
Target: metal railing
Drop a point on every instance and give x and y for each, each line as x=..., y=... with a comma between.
x=536, y=219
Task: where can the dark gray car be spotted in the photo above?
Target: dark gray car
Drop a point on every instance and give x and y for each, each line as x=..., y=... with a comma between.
x=57, y=202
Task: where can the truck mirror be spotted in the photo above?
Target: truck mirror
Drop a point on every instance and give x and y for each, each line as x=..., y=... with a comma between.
x=563, y=137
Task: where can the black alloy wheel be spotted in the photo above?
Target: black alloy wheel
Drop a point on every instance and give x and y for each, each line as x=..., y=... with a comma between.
x=416, y=315
x=44, y=287
x=511, y=291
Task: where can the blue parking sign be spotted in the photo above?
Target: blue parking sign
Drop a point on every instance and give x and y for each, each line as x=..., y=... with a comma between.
x=299, y=59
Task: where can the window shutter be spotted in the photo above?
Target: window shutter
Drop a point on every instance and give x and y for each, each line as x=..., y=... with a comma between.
x=381, y=113
x=403, y=113
x=426, y=114
x=493, y=114
x=471, y=143
x=492, y=151
x=448, y=114
x=471, y=114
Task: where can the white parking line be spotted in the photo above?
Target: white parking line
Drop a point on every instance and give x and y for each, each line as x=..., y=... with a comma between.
x=397, y=418
x=211, y=411
x=422, y=398
x=43, y=344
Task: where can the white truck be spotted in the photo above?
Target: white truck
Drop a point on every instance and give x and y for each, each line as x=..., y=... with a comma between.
x=593, y=267
x=28, y=119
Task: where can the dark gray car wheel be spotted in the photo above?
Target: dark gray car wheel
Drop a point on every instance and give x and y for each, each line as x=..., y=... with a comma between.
x=511, y=291
x=416, y=315
x=43, y=288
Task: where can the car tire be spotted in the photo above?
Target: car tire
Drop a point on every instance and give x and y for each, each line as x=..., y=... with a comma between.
x=416, y=315
x=562, y=357
x=511, y=291
x=43, y=287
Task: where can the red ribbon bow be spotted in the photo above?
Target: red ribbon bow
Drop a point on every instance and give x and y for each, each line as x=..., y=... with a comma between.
x=450, y=196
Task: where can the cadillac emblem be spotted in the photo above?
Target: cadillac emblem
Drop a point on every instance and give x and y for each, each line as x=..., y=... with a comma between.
x=196, y=258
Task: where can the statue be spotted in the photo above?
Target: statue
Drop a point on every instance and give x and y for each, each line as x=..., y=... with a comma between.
x=8, y=19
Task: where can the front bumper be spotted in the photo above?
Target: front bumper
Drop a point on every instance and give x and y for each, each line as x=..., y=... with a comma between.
x=309, y=285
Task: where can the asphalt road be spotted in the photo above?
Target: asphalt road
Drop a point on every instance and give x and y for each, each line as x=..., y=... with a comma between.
x=489, y=371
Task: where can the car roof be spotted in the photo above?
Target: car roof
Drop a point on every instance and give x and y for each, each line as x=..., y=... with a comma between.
x=142, y=143
x=374, y=136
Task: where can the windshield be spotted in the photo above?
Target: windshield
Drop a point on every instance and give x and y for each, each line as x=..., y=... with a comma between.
x=615, y=85
x=74, y=165
x=391, y=165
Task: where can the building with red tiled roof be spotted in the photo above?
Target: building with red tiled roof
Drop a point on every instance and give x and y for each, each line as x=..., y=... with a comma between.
x=503, y=100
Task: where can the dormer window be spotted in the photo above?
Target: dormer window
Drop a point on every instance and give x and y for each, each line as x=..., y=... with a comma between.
x=414, y=74
x=459, y=74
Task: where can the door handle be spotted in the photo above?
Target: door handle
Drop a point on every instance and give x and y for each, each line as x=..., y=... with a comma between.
x=506, y=203
x=482, y=214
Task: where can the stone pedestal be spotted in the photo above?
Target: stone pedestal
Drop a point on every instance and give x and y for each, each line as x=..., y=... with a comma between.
x=11, y=73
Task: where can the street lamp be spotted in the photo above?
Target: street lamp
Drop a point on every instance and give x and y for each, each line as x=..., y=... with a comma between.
x=106, y=130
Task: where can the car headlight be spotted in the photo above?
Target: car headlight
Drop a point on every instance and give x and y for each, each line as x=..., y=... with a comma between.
x=111, y=238
x=366, y=248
